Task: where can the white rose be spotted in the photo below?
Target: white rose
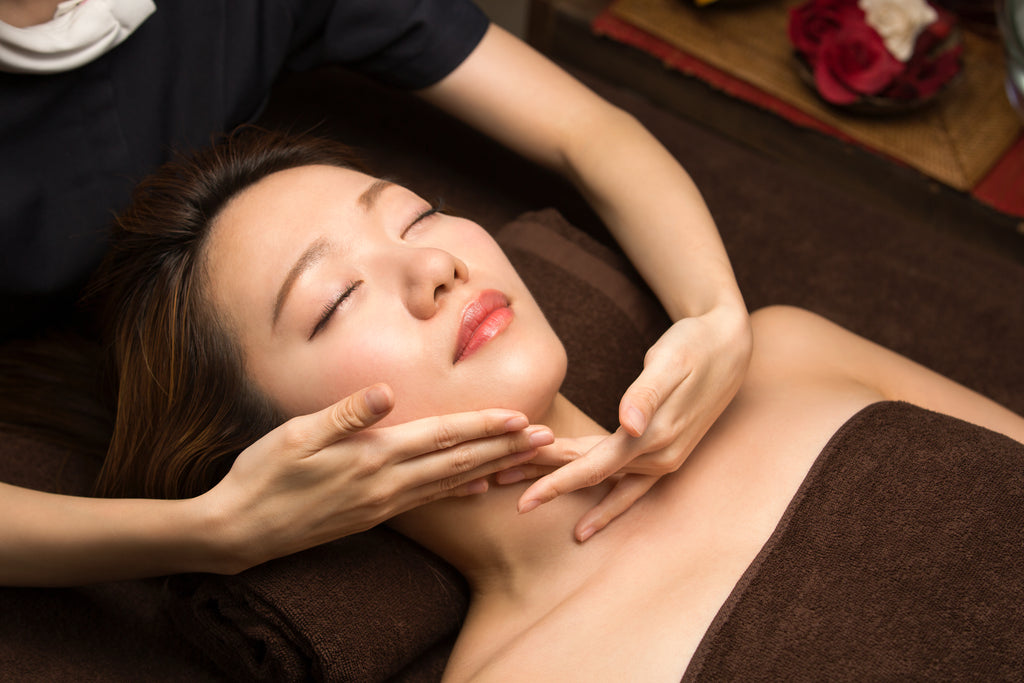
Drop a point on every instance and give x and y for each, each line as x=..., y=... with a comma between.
x=899, y=22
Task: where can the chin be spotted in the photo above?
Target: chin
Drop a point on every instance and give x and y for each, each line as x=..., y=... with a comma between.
x=530, y=384
x=524, y=377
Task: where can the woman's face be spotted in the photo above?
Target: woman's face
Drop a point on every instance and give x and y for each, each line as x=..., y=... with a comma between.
x=334, y=280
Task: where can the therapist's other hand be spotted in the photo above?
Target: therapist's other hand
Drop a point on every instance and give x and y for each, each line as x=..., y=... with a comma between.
x=690, y=375
x=319, y=477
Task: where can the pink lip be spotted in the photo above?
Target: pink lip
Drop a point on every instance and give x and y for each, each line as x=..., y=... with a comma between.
x=483, y=319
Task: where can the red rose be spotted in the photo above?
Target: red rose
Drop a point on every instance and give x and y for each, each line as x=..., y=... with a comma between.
x=812, y=22
x=929, y=69
x=936, y=32
x=853, y=62
x=924, y=75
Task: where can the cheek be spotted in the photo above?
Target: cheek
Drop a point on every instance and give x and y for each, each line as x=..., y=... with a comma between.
x=310, y=379
x=367, y=359
x=528, y=377
x=413, y=372
x=524, y=373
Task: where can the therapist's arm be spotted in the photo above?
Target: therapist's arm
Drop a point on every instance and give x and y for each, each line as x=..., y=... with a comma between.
x=314, y=479
x=654, y=210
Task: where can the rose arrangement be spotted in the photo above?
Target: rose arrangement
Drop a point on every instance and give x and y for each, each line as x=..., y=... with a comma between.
x=903, y=50
x=702, y=3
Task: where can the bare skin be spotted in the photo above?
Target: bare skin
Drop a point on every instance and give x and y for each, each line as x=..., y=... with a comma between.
x=634, y=602
x=25, y=13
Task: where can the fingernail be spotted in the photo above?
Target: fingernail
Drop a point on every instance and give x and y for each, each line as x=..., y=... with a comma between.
x=528, y=505
x=477, y=486
x=378, y=400
x=636, y=420
x=586, y=533
x=510, y=476
x=514, y=424
x=541, y=437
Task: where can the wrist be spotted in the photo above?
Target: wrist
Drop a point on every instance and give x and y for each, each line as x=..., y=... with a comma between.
x=709, y=289
x=723, y=305
x=214, y=538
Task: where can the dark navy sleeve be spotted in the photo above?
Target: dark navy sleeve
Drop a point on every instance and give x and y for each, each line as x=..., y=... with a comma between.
x=406, y=43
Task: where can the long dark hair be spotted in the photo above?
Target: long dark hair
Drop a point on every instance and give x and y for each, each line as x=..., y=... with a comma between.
x=184, y=408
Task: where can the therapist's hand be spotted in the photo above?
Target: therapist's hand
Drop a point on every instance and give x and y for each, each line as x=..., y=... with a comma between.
x=323, y=476
x=690, y=375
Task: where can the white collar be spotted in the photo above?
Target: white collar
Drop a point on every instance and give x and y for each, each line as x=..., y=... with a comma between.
x=80, y=31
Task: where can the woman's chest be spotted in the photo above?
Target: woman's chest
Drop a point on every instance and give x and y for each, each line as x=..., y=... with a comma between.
x=647, y=610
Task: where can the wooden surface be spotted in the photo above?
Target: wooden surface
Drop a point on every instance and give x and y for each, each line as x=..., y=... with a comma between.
x=561, y=29
x=955, y=139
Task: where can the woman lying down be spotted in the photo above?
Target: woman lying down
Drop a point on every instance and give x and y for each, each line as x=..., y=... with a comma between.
x=389, y=290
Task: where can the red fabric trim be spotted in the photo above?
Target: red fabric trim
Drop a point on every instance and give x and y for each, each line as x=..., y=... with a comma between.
x=1002, y=188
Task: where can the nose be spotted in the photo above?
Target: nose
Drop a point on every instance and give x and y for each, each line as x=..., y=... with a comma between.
x=431, y=274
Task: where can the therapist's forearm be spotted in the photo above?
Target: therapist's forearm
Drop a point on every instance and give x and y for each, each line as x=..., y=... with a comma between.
x=57, y=540
x=519, y=97
x=655, y=212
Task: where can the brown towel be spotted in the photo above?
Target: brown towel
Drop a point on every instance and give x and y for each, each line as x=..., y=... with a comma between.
x=364, y=608
x=117, y=631
x=900, y=558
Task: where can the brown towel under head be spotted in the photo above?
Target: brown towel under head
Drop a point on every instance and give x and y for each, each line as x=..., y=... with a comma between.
x=369, y=607
x=900, y=558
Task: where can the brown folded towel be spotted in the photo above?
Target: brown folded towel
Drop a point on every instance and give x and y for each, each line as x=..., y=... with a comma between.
x=898, y=559
x=364, y=608
x=117, y=631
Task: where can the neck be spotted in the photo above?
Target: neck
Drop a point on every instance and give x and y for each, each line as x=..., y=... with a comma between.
x=25, y=13
x=499, y=551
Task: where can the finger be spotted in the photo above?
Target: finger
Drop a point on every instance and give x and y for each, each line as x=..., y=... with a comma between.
x=351, y=414
x=415, y=481
x=650, y=390
x=626, y=492
x=600, y=462
x=515, y=475
x=434, y=434
x=662, y=461
x=468, y=483
x=473, y=488
x=449, y=468
x=565, y=450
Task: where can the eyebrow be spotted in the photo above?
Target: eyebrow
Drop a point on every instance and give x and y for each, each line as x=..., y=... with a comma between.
x=368, y=198
x=314, y=253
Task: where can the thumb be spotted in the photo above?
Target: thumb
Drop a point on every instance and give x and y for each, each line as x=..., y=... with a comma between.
x=352, y=414
x=643, y=398
x=636, y=409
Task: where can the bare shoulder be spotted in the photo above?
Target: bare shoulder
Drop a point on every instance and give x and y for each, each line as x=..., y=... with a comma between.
x=792, y=344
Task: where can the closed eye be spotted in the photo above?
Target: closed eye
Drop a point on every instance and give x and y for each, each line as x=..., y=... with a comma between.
x=332, y=306
x=436, y=208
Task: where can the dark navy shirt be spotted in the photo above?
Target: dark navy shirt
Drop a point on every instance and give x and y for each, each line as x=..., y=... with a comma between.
x=72, y=145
